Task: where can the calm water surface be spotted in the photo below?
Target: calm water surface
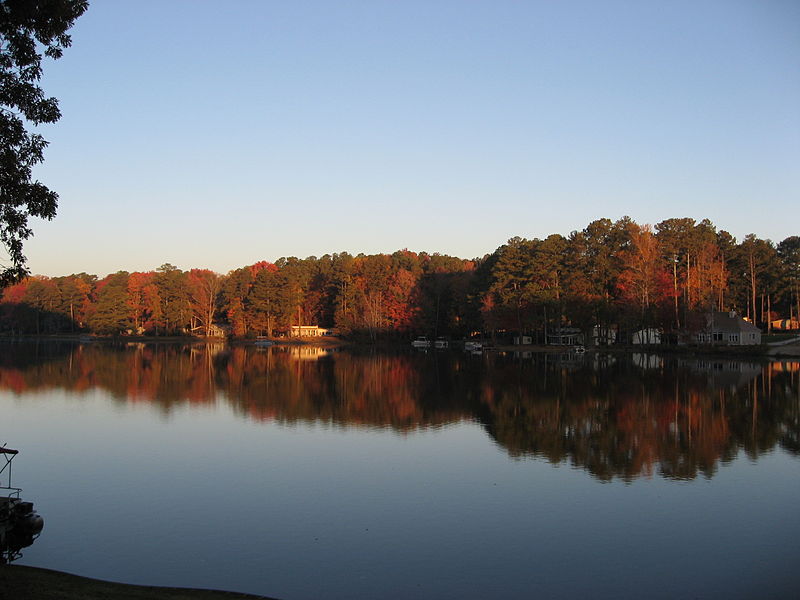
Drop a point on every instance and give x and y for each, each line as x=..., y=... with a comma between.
x=306, y=474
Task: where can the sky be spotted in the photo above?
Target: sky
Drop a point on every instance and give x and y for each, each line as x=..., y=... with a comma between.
x=212, y=134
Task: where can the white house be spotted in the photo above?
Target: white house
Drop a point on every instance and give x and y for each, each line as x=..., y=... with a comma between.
x=604, y=335
x=646, y=336
x=565, y=336
x=728, y=329
x=308, y=331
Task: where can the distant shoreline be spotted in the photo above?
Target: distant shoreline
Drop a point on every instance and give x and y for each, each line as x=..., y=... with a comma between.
x=761, y=351
x=173, y=339
x=33, y=583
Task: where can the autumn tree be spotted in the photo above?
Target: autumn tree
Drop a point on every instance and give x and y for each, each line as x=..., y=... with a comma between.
x=641, y=276
x=710, y=277
x=203, y=287
x=644, y=282
x=144, y=301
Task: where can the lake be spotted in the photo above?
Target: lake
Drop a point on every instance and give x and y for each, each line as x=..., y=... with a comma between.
x=305, y=473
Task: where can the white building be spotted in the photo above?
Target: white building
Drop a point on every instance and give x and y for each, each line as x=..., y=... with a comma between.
x=728, y=329
x=565, y=336
x=308, y=331
x=646, y=336
x=604, y=336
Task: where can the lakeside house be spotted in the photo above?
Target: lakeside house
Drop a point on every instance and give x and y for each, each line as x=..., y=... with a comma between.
x=604, y=335
x=646, y=336
x=785, y=324
x=565, y=336
x=213, y=331
x=308, y=331
x=728, y=329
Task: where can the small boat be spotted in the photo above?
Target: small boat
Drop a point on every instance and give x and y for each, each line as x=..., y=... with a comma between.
x=263, y=341
x=20, y=525
x=441, y=343
x=421, y=342
x=473, y=345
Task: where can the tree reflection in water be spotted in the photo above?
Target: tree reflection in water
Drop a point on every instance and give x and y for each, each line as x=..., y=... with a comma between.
x=616, y=416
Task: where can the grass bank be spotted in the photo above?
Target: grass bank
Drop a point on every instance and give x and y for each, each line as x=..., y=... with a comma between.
x=29, y=583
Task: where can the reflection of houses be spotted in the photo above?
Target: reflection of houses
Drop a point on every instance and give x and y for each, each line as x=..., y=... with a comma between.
x=308, y=331
x=565, y=336
x=570, y=361
x=602, y=361
x=647, y=361
x=646, y=336
x=727, y=373
x=728, y=328
x=604, y=335
x=308, y=352
x=784, y=367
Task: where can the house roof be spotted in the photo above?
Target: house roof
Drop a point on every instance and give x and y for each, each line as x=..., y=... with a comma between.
x=729, y=322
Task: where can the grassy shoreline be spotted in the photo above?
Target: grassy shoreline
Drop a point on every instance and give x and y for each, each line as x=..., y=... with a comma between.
x=32, y=583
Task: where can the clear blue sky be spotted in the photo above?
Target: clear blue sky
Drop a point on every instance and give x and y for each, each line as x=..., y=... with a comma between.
x=216, y=134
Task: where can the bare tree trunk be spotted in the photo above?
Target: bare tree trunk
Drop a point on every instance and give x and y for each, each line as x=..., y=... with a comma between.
x=688, y=281
x=675, y=290
x=769, y=314
x=752, y=265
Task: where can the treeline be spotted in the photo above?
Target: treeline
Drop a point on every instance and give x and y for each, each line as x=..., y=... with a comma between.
x=621, y=273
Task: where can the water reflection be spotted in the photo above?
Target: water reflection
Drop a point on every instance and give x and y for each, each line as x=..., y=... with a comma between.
x=616, y=416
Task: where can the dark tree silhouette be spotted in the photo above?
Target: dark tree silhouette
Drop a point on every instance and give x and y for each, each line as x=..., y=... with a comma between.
x=29, y=30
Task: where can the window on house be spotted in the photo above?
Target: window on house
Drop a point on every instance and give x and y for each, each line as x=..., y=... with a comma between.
x=717, y=336
x=734, y=337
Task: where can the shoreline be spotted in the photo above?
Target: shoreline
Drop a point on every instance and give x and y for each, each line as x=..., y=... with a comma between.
x=763, y=351
x=34, y=583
